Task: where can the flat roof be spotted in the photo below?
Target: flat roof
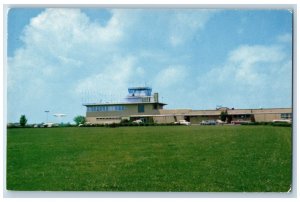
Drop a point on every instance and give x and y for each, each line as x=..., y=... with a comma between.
x=121, y=103
x=140, y=88
x=190, y=112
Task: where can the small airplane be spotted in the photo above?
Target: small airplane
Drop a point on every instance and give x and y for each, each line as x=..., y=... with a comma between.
x=59, y=115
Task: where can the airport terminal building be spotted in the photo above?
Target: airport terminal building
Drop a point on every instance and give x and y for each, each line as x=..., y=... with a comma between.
x=141, y=104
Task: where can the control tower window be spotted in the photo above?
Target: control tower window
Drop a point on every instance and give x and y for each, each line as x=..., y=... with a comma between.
x=141, y=108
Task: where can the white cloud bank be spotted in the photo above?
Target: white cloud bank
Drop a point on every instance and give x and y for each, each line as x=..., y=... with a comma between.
x=65, y=54
x=250, y=74
x=61, y=47
x=62, y=40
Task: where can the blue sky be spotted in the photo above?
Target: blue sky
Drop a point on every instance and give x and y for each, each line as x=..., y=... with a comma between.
x=194, y=58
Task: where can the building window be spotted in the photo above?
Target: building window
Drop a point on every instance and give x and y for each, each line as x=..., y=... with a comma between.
x=141, y=108
x=241, y=116
x=105, y=108
x=107, y=118
x=286, y=116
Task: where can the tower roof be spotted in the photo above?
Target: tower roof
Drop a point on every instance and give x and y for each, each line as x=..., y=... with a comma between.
x=140, y=90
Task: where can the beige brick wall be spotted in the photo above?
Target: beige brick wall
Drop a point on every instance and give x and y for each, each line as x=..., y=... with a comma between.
x=163, y=119
x=266, y=117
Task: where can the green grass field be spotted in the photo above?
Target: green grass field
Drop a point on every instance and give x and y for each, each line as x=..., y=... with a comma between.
x=162, y=158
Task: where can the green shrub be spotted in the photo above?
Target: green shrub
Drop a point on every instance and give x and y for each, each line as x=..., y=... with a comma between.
x=282, y=124
x=250, y=124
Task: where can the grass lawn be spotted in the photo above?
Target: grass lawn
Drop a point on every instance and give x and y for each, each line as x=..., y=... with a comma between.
x=162, y=158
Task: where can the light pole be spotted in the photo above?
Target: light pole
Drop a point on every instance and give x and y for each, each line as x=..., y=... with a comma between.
x=47, y=111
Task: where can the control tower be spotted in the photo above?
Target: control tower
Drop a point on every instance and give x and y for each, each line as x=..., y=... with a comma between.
x=141, y=94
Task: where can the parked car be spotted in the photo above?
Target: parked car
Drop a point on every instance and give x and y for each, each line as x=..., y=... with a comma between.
x=208, y=122
x=49, y=125
x=282, y=121
x=220, y=122
x=137, y=121
x=184, y=122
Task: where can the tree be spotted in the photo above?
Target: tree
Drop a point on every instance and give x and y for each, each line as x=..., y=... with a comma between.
x=79, y=120
x=23, y=120
x=252, y=118
x=229, y=118
x=223, y=115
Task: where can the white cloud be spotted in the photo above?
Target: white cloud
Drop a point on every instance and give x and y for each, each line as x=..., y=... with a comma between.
x=171, y=76
x=256, y=53
x=113, y=79
x=60, y=47
x=60, y=40
x=250, y=63
x=72, y=26
x=249, y=75
x=184, y=25
x=285, y=38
